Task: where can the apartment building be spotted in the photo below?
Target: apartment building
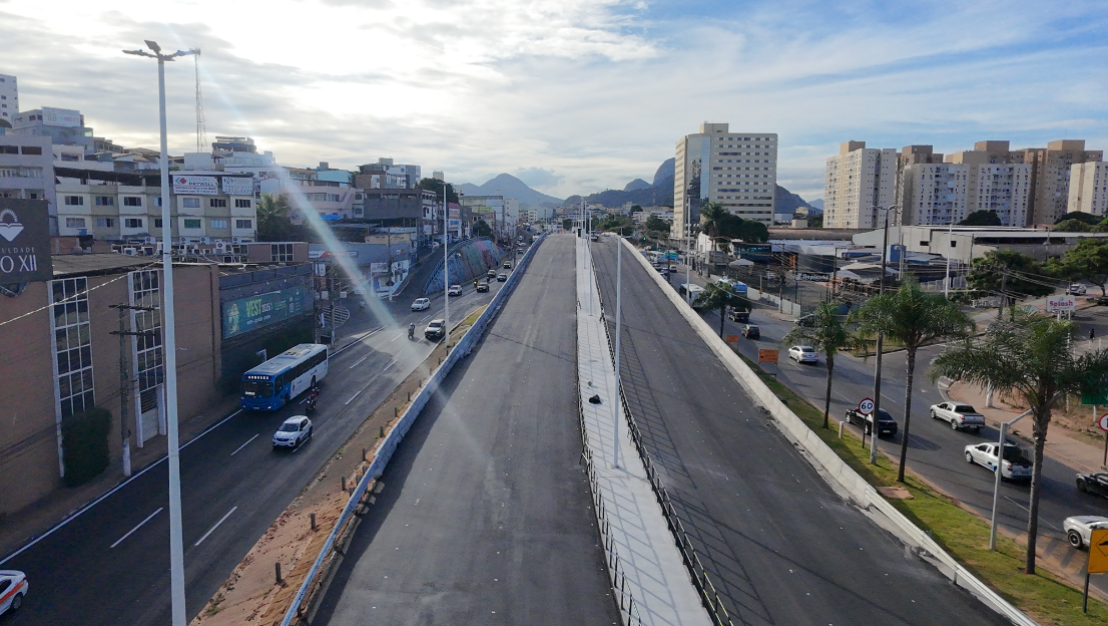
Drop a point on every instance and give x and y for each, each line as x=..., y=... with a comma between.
x=1051, y=168
x=857, y=182
x=738, y=170
x=1088, y=188
x=9, y=98
x=995, y=183
x=27, y=172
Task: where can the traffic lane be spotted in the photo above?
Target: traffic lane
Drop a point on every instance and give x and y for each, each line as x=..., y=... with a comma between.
x=779, y=544
x=485, y=516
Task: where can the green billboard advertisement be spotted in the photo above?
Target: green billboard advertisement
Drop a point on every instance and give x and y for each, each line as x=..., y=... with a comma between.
x=247, y=314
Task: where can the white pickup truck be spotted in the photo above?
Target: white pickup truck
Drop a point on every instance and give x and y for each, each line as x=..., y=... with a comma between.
x=960, y=416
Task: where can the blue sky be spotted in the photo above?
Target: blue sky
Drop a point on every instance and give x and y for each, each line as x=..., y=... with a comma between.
x=576, y=95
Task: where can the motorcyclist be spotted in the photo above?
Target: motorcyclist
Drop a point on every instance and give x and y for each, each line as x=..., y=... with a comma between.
x=411, y=330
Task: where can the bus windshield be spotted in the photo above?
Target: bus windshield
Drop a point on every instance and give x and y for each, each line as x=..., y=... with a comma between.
x=257, y=388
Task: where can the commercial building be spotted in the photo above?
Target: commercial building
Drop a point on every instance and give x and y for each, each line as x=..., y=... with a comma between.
x=1088, y=188
x=384, y=174
x=857, y=181
x=9, y=98
x=738, y=170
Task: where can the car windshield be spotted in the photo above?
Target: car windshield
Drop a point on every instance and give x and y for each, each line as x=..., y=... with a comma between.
x=257, y=388
x=883, y=416
x=435, y=325
x=290, y=427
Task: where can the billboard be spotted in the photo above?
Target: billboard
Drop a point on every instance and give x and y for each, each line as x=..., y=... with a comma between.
x=1055, y=304
x=24, y=241
x=196, y=185
x=247, y=314
x=238, y=185
x=66, y=118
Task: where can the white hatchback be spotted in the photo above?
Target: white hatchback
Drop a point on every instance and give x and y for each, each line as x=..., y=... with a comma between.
x=293, y=432
x=421, y=304
x=13, y=586
x=803, y=354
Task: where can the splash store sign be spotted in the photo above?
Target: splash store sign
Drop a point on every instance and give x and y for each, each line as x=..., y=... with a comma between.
x=24, y=241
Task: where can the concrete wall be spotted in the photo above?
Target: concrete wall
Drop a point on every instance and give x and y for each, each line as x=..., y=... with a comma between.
x=469, y=260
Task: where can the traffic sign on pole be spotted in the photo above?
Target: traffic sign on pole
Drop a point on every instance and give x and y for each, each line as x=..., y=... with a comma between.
x=1103, y=422
x=865, y=407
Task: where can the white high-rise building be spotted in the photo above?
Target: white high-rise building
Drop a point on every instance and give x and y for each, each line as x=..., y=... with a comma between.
x=1088, y=188
x=738, y=170
x=857, y=182
x=9, y=97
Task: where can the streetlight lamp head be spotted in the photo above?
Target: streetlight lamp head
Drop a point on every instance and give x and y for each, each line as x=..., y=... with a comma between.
x=153, y=45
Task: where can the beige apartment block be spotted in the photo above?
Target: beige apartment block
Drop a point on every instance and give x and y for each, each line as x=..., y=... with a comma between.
x=738, y=170
x=1052, y=177
x=857, y=182
x=994, y=183
x=1088, y=188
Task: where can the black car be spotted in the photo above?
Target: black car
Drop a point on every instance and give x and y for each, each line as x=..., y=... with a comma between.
x=491, y=275
x=886, y=425
x=1093, y=483
x=736, y=315
x=750, y=331
x=482, y=286
x=1101, y=300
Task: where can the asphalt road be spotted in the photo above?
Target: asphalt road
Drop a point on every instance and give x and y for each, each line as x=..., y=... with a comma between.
x=110, y=565
x=485, y=516
x=780, y=546
x=936, y=452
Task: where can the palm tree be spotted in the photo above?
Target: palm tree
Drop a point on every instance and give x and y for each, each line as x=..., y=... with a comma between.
x=1031, y=357
x=273, y=217
x=711, y=215
x=718, y=296
x=914, y=318
x=828, y=334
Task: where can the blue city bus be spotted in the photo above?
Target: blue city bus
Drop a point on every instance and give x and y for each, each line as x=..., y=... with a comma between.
x=270, y=385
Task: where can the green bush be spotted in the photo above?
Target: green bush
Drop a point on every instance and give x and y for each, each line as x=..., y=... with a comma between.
x=85, y=440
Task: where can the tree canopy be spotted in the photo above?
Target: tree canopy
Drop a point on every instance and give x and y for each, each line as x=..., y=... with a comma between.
x=828, y=334
x=1012, y=272
x=717, y=222
x=1086, y=218
x=435, y=185
x=481, y=229
x=1087, y=261
x=273, y=218
x=981, y=218
x=655, y=223
x=1073, y=226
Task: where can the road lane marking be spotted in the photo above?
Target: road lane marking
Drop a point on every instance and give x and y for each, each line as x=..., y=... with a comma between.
x=212, y=529
x=132, y=531
x=353, y=397
x=396, y=337
x=358, y=362
x=245, y=444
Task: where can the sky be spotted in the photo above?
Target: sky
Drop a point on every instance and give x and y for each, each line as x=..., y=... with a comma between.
x=571, y=96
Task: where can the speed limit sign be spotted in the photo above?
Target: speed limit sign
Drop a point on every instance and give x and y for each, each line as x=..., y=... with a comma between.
x=865, y=407
x=1103, y=422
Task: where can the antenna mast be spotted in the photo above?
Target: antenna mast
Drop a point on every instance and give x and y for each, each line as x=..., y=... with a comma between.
x=201, y=130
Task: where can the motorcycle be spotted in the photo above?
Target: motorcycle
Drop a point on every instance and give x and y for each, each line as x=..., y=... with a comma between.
x=411, y=332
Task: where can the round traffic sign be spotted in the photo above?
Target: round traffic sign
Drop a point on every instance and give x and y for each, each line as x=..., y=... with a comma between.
x=1103, y=422
x=865, y=407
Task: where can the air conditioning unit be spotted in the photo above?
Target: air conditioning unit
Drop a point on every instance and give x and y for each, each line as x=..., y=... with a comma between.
x=220, y=246
x=130, y=251
x=205, y=240
x=182, y=240
x=117, y=248
x=149, y=240
x=236, y=239
x=148, y=250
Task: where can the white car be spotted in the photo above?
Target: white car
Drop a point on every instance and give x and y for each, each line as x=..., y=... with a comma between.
x=293, y=432
x=803, y=354
x=421, y=304
x=1077, y=289
x=455, y=290
x=960, y=416
x=1079, y=528
x=13, y=586
x=1016, y=466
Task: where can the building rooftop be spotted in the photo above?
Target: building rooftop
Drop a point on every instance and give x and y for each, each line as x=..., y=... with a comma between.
x=99, y=264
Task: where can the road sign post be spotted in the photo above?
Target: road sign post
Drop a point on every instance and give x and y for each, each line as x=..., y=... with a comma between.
x=1098, y=557
x=768, y=356
x=865, y=407
x=1103, y=423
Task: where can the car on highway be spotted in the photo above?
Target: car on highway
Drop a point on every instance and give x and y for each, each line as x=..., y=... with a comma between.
x=804, y=354
x=482, y=286
x=594, y=238
x=1093, y=482
x=502, y=277
x=435, y=330
x=960, y=416
x=750, y=331
x=1016, y=465
x=807, y=321
x=455, y=290
x=491, y=275
x=886, y=425
x=735, y=315
x=1079, y=528
x=13, y=587
x=1101, y=300
x=421, y=304
x=507, y=265
x=1076, y=289
x=293, y=432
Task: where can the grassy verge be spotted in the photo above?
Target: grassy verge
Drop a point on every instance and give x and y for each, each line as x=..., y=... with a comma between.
x=1044, y=597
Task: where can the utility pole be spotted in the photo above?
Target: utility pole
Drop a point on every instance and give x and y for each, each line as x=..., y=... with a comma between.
x=880, y=342
x=125, y=378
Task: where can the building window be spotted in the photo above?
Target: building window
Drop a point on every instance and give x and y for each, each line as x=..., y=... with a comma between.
x=193, y=224
x=132, y=201
x=190, y=203
x=217, y=203
x=72, y=345
x=74, y=201
x=158, y=201
x=157, y=222
x=244, y=224
x=9, y=149
x=74, y=222
x=133, y=222
x=148, y=363
x=31, y=150
x=219, y=223
x=242, y=203
x=281, y=252
x=105, y=201
x=105, y=222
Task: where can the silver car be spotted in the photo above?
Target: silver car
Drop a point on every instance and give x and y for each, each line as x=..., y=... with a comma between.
x=1080, y=527
x=293, y=432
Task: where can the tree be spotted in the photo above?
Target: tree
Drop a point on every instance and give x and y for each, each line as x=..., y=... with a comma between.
x=981, y=218
x=1030, y=357
x=914, y=318
x=815, y=221
x=567, y=224
x=273, y=218
x=1073, y=226
x=719, y=296
x=1010, y=274
x=435, y=185
x=1085, y=218
x=828, y=334
x=711, y=215
x=481, y=229
x=636, y=209
x=1087, y=261
x=655, y=223
x=753, y=232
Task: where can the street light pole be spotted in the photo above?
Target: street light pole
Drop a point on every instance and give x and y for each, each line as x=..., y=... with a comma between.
x=446, y=265
x=176, y=544
x=949, y=240
x=996, y=487
x=619, y=291
x=880, y=341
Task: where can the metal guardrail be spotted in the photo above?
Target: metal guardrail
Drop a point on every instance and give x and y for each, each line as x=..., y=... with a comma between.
x=396, y=434
x=708, y=594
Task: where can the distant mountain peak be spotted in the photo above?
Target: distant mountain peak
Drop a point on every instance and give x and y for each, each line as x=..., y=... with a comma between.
x=638, y=183
x=510, y=187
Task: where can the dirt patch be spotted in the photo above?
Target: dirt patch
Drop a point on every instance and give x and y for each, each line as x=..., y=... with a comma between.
x=252, y=593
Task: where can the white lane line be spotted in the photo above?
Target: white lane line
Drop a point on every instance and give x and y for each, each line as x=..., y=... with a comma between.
x=353, y=397
x=390, y=364
x=426, y=317
x=358, y=362
x=212, y=529
x=245, y=444
x=132, y=531
x=397, y=337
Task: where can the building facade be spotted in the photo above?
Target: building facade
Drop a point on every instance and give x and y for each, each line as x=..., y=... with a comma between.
x=27, y=172
x=738, y=170
x=9, y=98
x=1088, y=191
x=857, y=181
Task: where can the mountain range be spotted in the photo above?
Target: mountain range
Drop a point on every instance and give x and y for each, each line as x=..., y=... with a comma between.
x=510, y=187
